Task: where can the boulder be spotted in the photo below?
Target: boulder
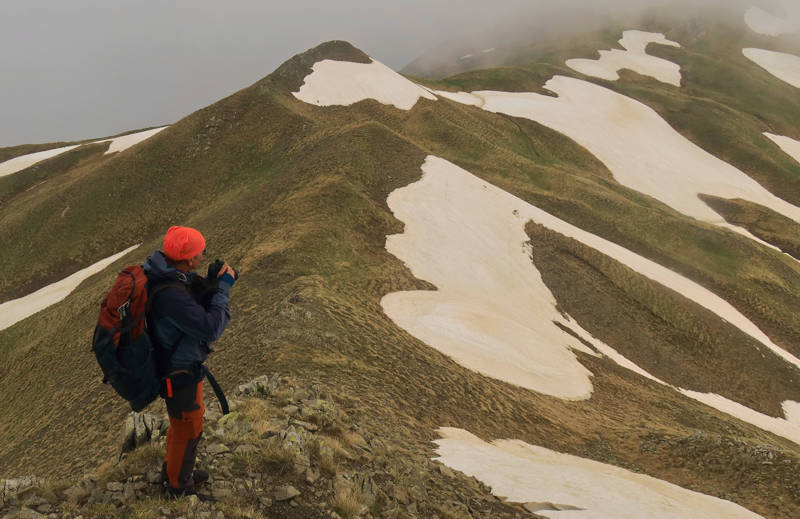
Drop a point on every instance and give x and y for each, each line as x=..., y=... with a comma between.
x=284, y=493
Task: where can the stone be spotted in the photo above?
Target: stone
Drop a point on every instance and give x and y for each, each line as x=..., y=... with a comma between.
x=245, y=449
x=286, y=492
x=265, y=502
x=221, y=492
x=215, y=449
x=129, y=492
x=291, y=410
x=115, y=486
x=300, y=463
x=141, y=434
x=400, y=495
x=260, y=386
x=446, y=471
x=193, y=502
x=77, y=493
x=310, y=427
x=153, y=476
x=45, y=508
x=129, y=433
x=25, y=513
x=312, y=476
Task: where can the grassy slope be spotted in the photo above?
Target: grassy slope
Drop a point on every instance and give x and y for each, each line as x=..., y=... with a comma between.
x=10, y=152
x=722, y=108
x=295, y=195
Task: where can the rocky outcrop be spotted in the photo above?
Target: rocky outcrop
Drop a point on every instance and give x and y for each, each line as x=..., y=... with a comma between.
x=283, y=451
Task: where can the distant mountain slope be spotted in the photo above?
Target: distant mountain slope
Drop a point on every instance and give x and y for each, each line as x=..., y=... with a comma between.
x=294, y=191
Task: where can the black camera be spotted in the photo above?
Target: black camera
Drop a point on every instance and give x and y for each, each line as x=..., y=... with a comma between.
x=214, y=268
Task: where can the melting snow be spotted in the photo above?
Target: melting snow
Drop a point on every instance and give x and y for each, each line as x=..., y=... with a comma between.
x=460, y=97
x=791, y=410
x=789, y=146
x=637, y=145
x=633, y=58
x=126, y=141
x=768, y=24
x=117, y=144
x=785, y=67
x=568, y=486
x=789, y=427
x=492, y=312
x=16, y=310
x=25, y=161
x=344, y=83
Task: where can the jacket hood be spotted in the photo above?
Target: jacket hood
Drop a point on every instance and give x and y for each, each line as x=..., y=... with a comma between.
x=158, y=270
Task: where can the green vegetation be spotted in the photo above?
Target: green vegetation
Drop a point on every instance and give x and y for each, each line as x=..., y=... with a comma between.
x=295, y=195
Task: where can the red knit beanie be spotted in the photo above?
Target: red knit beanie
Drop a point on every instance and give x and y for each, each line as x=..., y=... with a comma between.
x=182, y=243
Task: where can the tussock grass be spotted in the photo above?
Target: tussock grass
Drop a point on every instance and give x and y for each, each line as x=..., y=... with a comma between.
x=347, y=502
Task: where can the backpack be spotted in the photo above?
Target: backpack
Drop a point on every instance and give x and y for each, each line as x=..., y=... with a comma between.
x=121, y=343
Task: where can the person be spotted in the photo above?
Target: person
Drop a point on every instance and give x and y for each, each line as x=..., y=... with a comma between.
x=181, y=329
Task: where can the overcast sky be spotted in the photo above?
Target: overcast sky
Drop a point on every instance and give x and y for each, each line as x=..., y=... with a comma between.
x=89, y=68
x=80, y=69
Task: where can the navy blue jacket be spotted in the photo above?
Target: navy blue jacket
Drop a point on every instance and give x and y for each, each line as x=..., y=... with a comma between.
x=177, y=318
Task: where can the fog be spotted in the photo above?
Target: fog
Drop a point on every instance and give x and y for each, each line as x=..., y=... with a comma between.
x=92, y=68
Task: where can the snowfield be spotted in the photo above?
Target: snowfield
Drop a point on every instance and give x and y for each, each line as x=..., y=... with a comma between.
x=11, y=312
x=768, y=24
x=639, y=147
x=117, y=144
x=25, y=161
x=492, y=313
x=785, y=67
x=126, y=141
x=633, y=58
x=344, y=83
x=564, y=486
x=789, y=146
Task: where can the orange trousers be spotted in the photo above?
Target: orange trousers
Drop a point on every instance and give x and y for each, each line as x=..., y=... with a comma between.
x=185, y=408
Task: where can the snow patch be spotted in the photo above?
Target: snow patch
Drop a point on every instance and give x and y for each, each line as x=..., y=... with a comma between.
x=11, y=312
x=791, y=410
x=344, y=83
x=789, y=146
x=785, y=67
x=117, y=144
x=25, y=161
x=569, y=486
x=464, y=98
x=768, y=24
x=492, y=312
x=788, y=428
x=633, y=58
x=639, y=147
x=126, y=141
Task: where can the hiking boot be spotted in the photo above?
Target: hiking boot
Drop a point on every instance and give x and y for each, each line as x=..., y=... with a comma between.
x=199, y=477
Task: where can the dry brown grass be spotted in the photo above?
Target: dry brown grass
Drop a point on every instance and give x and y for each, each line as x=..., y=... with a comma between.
x=348, y=502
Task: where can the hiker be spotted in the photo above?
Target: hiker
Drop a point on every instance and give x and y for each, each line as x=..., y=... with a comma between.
x=181, y=329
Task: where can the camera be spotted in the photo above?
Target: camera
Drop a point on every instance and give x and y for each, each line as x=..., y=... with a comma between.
x=214, y=268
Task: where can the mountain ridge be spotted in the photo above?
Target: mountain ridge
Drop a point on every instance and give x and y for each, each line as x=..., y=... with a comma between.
x=296, y=194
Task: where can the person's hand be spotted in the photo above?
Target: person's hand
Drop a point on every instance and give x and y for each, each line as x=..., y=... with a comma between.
x=226, y=269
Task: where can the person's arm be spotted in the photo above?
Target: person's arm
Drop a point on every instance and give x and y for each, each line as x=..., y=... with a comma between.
x=182, y=311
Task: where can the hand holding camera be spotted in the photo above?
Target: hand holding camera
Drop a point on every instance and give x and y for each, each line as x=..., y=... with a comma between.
x=219, y=268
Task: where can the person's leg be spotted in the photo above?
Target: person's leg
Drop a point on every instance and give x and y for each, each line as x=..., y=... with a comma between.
x=186, y=410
